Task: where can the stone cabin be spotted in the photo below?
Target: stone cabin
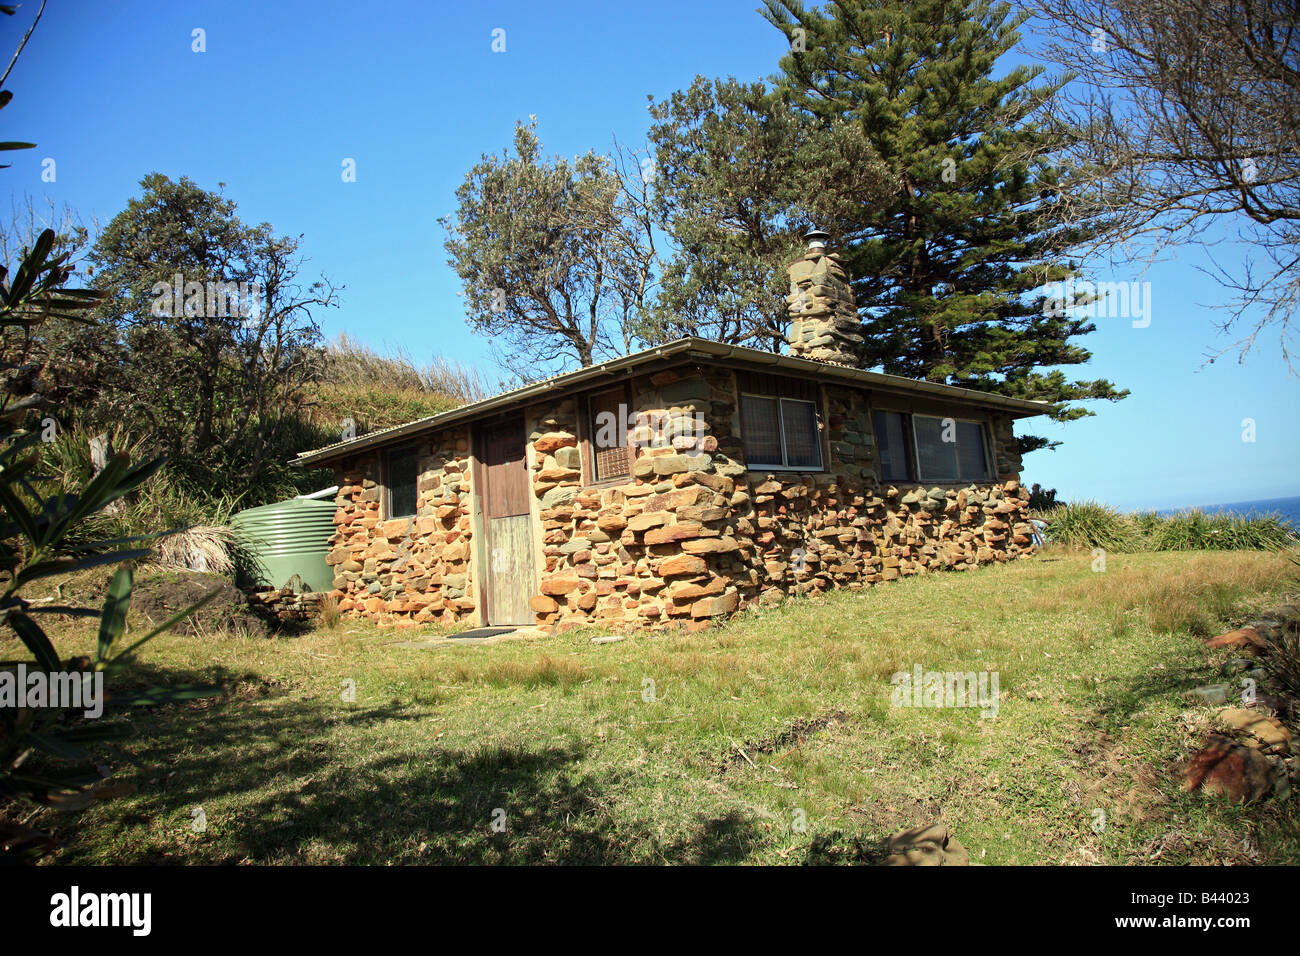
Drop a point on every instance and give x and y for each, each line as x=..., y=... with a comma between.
x=674, y=486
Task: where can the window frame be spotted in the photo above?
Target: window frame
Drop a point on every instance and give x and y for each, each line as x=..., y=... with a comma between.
x=913, y=454
x=909, y=444
x=414, y=451
x=587, y=440
x=780, y=421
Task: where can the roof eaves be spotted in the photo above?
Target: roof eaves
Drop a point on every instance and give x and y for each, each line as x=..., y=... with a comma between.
x=696, y=347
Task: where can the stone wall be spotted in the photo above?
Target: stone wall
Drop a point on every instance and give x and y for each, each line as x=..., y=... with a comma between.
x=287, y=606
x=695, y=535
x=1006, y=451
x=407, y=571
x=692, y=537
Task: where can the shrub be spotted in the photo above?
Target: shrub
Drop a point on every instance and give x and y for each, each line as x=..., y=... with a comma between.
x=1282, y=660
x=1090, y=524
x=160, y=504
x=1195, y=530
x=328, y=614
x=1042, y=499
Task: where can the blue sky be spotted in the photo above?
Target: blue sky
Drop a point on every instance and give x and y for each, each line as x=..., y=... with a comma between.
x=413, y=92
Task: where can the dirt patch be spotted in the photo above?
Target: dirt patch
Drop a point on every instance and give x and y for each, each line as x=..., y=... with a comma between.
x=1115, y=780
x=783, y=742
x=158, y=597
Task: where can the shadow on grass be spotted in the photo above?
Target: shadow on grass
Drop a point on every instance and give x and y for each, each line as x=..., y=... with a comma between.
x=292, y=781
x=1127, y=696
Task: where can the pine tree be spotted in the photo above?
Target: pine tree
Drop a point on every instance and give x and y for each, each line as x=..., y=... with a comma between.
x=953, y=271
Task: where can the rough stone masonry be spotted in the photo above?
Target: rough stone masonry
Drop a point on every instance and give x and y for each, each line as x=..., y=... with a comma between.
x=693, y=534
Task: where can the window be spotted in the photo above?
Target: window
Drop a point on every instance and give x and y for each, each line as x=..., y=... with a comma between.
x=781, y=433
x=928, y=448
x=891, y=442
x=610, y=453
x=400, y=480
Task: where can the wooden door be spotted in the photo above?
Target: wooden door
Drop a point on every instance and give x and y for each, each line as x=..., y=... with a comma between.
x=509, y=574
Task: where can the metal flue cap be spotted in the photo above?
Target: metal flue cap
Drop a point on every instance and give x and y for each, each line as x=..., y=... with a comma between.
x=816, y=238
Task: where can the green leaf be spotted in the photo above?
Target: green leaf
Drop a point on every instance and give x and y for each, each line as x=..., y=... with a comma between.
x=162, y=695
x=113, y=557
x=166, y=625
x=17, y=511
x=43, y=569
x=61, y=609
x=118, y=478
x=31, y=267
x=116, y=603
x=30, y=633
x=55, y=747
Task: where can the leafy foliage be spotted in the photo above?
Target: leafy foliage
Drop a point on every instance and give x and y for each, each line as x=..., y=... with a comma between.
x=37, y=540
x=1041, y=499
x=1184, y=116
x=218, y=379
x=740, y=175
x=555, y=257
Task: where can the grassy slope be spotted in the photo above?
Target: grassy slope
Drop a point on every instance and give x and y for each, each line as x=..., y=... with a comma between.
x=555, y=732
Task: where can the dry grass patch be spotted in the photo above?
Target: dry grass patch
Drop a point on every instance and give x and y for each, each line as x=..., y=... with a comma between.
x=544, y=671
x=1194, y=595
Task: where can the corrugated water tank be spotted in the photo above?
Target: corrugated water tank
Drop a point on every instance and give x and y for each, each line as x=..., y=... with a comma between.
x=287, y=538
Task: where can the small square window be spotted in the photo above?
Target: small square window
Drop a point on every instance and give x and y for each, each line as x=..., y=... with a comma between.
x=936, y=448
x=400, y=480
x=939, y=449
x=610, y=453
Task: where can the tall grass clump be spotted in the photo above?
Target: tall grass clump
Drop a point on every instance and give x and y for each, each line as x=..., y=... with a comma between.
x=1195, y=530
x=1282, y=662
x=1090, y=524
x=347, y=362
x=200, y=538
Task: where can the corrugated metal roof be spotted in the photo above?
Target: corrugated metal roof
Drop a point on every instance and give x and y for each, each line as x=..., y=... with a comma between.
x=706, y=349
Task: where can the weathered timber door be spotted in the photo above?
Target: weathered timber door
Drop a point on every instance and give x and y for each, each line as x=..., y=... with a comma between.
x=509, y=576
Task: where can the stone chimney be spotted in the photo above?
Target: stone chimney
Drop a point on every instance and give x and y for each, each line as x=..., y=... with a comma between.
x=824, y=322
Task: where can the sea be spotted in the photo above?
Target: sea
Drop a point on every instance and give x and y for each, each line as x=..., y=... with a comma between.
x=1288, y=508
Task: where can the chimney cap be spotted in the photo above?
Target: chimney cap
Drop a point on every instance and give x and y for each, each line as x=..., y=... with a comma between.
x=816, y=238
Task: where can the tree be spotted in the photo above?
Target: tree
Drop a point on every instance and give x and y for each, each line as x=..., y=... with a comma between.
x=214, y=326
x=739, y=176
x=1183, y=118
x=556, y=258
x=952, y=270
x=46, y=752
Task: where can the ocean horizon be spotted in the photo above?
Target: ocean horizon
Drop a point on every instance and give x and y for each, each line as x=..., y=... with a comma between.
x=1288, y=508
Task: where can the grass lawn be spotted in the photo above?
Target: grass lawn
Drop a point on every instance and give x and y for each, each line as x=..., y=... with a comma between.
x=771, y=740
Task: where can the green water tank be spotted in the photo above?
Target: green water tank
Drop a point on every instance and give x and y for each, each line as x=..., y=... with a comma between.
x=287, y=538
